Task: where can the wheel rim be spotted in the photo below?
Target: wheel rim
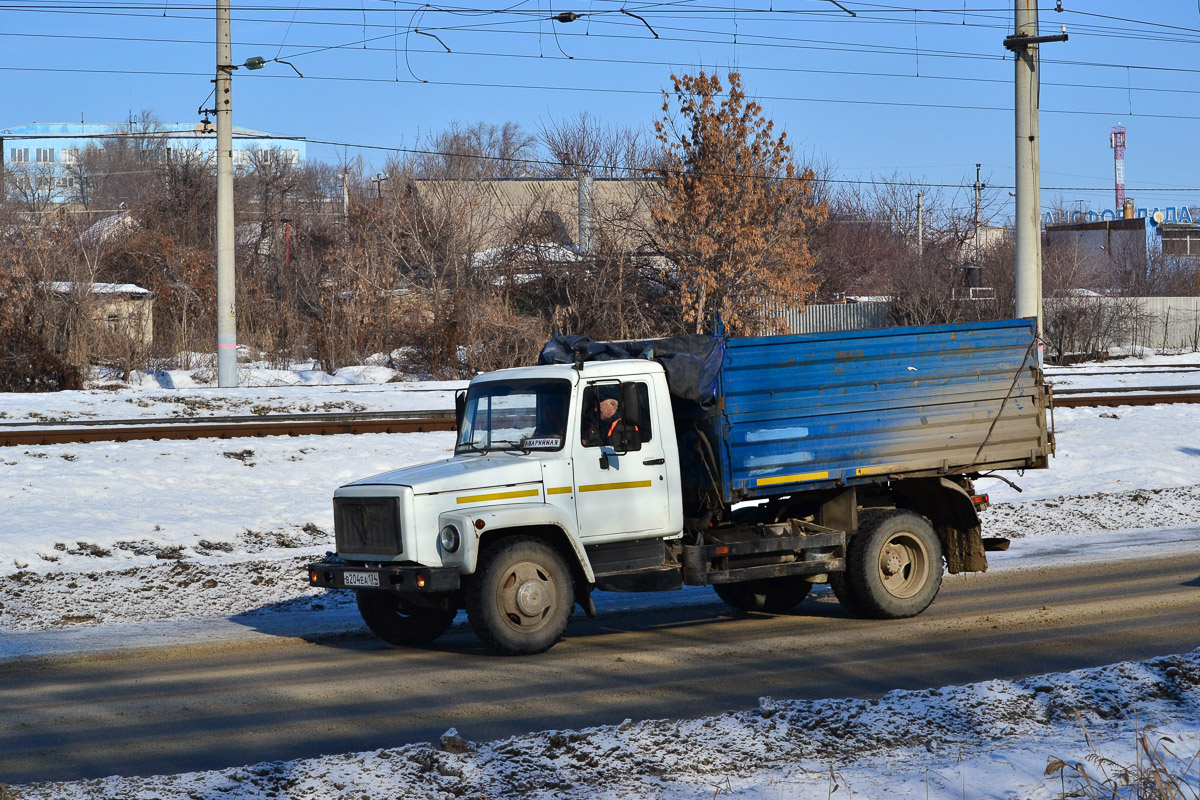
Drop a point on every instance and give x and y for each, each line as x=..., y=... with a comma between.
x=525, y=595
x=903, y=565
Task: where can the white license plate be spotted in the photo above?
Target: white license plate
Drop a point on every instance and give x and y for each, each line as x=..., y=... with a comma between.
x=360, y=578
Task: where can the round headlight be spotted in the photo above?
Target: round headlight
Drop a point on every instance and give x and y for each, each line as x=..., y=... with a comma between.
x=449, y=538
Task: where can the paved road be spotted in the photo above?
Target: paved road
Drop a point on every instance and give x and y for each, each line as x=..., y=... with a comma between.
x=177, y=709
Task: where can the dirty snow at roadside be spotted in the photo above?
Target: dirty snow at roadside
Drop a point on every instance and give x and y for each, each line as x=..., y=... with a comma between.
x=263, y=391
x=986, y=740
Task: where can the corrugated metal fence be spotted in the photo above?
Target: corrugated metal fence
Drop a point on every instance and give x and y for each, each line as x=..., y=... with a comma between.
x=1078, y=324
x=837, y=317
x=1166, y=323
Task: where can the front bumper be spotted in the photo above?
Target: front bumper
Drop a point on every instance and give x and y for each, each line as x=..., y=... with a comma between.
x=407, y=579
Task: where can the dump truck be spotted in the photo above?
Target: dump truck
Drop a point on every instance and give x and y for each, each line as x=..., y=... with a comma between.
x=758, y=466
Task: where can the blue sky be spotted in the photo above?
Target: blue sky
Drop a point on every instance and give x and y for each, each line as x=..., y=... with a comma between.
x=925, y=93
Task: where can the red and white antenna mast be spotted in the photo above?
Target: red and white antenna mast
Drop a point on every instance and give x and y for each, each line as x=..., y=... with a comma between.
x=1117, y=141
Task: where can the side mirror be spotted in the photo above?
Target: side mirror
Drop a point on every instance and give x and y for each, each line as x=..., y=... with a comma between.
x=460, y=409
x=626, y=438
x=632, y=412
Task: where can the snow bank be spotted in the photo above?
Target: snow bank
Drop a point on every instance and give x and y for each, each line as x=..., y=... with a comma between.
x=985, y=740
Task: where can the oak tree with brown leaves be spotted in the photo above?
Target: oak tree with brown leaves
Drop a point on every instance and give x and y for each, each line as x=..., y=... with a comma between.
x=733, y=211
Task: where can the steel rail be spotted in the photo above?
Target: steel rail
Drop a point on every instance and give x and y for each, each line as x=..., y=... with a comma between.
x=437, y=421
x=1174, y=389
x=243, y=419
x=1114, y=400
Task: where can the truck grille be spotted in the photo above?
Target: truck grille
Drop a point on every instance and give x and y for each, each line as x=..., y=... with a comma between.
x=367, y=525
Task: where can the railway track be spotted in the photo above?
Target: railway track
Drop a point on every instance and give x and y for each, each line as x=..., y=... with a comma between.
x=1113, y=400
x=15, y=434
x=71, y=432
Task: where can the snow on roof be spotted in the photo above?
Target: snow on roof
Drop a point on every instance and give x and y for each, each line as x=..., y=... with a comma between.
x=543, y=251
x=109, y=226
x=63, y=287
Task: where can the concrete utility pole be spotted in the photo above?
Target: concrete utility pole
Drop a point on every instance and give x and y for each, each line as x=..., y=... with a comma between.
x=346, y=197
x=979, y=187
x=226, y=291
x=586, y=211
x=1028, y=223
x=920, y=227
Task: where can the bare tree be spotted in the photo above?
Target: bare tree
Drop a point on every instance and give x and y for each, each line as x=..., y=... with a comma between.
x=582, y=143
x=32, y=186
x=478, y=151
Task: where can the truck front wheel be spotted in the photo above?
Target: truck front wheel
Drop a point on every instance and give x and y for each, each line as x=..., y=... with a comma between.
x=765, y=595
x=521, y=597
x=391, y=620
x=894, y=565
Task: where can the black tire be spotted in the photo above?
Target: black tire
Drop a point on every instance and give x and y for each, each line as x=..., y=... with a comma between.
x=391, y=620
x=766, y=595
x=521, y=597
x=845, y=595
x=894, y=565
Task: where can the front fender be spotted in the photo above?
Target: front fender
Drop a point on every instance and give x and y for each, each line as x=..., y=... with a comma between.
x=504, y=517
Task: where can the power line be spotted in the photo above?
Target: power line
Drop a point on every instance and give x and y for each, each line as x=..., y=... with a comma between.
x=647, y=172
x=613, y=90
x=625, y=61
x=816, y=179
x=771, y=41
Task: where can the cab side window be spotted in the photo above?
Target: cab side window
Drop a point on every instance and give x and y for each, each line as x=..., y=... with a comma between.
x=601, y=413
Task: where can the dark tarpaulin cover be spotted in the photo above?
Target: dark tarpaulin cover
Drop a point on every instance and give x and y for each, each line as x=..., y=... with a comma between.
x=692, y=362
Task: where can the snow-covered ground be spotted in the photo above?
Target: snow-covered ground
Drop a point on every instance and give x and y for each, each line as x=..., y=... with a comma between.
x=263, y=392
x=1034, y=738
x=227, y=526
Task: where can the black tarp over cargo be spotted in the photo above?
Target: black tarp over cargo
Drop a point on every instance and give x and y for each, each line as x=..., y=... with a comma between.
x=692, y=363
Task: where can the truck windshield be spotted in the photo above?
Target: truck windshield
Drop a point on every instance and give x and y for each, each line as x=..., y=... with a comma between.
x=515, y=415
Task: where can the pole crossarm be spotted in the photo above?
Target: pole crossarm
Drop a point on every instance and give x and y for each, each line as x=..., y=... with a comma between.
x=1018, y=43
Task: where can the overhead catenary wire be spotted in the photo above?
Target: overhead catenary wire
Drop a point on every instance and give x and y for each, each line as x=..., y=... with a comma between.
x=772, y=41
x=598, y=167
x=613, y=12
x=741, y=67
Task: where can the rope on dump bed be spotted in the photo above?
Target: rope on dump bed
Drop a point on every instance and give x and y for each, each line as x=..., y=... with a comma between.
x=1004, y=402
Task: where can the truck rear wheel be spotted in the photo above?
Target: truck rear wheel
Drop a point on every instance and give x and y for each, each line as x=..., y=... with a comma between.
x=391, y=620
x=766, y=595
x=894, y=565
x=521, y=597
x=845, y=595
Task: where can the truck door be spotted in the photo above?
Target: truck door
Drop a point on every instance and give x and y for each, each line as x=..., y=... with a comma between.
x=631, y=495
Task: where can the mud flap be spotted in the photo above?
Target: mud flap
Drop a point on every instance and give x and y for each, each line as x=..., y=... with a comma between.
x=963, y=549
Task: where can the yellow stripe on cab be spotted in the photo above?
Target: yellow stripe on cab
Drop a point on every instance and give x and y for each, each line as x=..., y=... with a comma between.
x=606, y=487
x=482, y=498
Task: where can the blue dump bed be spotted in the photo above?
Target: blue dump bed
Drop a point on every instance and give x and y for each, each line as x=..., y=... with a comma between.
x=817, y=410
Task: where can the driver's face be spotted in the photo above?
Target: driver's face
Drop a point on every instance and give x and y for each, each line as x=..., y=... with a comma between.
x=608, y=408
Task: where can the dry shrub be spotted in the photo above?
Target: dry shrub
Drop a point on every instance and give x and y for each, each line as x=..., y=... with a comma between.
x=494, y=336
x=1156, y=771
x=28, y=365
x=28, y=361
